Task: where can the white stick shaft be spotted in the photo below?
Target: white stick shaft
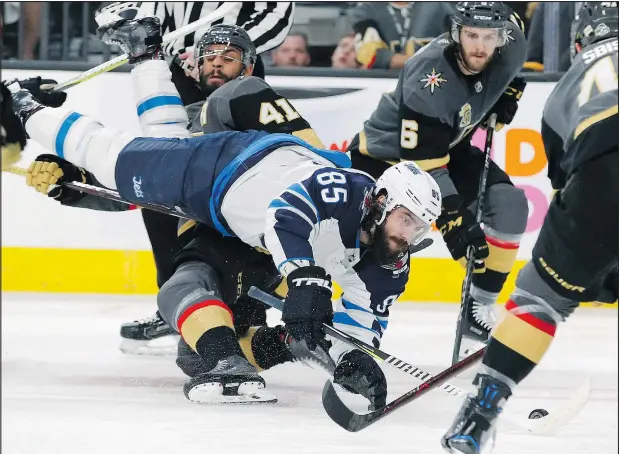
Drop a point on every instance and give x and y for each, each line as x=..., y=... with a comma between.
x=122, y=59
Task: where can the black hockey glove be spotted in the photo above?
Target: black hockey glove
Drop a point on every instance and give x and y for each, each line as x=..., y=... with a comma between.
x=308, y=305
x=358, y=373
x=460, y=230
x=12, y=133
x=49, y=169
x=41, y=90
x=506, y=106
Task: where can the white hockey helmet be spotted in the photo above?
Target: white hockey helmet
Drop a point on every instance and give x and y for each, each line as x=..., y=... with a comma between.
x=410, y=187
x=117, y=11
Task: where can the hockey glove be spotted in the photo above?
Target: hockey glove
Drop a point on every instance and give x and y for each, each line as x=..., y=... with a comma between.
x=460, y=230
x=308, y=305
x=12, y=133
x=41, y=90
x=358, y=373
x=507, y=104
x=48, y=170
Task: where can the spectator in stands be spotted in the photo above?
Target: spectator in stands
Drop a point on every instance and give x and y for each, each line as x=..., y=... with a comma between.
x=292, y=52
x=535, y=45
x=11, y=16
x=387, y=34
x=344, y=54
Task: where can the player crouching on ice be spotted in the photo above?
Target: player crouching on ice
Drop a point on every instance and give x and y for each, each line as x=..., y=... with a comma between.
x=318, y=219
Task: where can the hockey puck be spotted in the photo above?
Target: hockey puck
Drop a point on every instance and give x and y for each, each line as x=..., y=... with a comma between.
x=538, y=413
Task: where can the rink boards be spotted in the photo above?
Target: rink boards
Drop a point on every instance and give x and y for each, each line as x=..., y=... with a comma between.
x=50, y=248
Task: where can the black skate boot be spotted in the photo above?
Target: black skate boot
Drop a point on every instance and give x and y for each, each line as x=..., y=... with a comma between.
x=474, y=429
x=268, y=348
x=232, y=381
x=149, y=336
x=139, y=38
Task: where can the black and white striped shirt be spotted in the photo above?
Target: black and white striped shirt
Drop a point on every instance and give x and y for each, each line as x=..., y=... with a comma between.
x=267, y=23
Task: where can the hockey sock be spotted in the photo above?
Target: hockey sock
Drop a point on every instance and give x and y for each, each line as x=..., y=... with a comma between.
x=499, y=263
x=264, y=347
x=208, y=329
x=519, y=341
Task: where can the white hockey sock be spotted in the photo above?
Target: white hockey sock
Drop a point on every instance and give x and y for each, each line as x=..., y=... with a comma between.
x=80, y=140
x=159, y=106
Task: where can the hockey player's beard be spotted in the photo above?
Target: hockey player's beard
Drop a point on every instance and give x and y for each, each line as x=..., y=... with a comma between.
x=471, y=64
x=209, y=87
x=382, y=250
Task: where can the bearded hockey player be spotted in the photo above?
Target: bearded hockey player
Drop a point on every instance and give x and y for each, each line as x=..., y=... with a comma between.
x=447, y=90
x=317, y=219
x=577, y=249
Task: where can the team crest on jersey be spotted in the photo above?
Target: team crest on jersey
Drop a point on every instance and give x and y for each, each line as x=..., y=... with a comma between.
x=433, y=80
x=465, y=115
x=478, y=87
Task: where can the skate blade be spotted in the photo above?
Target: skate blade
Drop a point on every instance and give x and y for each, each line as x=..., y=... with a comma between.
x=248, y=393
x=162, y=346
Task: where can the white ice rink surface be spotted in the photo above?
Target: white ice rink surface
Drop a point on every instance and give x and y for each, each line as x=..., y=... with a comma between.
x=66, y=388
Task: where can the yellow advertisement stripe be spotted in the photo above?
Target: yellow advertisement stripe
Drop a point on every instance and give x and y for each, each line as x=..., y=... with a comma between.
x=522, y=337
x=133, y=273
x=202, y=320
x=500, y=259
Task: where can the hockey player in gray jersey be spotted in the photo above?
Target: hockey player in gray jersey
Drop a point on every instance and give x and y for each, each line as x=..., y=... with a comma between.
x=447, y=90
x=577, y=249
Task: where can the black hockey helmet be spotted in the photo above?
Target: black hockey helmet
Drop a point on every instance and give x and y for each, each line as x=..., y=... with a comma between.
x=231, y=35
x=595, y=21
x=480, y=15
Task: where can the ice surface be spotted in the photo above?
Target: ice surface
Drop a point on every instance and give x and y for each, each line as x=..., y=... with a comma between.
x=66, y=388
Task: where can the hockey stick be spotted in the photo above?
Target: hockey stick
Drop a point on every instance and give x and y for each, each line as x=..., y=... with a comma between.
x=354, y=422
x=416, y=372
x=469, y=270
x=102, y=192
x=219, y=13
x=555, y=419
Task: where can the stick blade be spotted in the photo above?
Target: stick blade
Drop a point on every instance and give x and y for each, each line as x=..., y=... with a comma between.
x=340, y=413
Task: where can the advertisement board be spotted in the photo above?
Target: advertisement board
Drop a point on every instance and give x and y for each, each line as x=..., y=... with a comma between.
x=48, y=247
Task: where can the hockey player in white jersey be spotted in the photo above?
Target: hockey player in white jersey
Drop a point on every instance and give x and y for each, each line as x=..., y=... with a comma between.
x=319, y=220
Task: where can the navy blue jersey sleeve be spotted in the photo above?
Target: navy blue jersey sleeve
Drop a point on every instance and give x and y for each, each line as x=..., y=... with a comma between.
x=294, y=219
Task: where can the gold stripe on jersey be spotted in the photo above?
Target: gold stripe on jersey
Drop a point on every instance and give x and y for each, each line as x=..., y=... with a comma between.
x=188, y=224
x=585, y=124
x=282, y=289
x=362, y=145
x=430, y=164
x=309, y=135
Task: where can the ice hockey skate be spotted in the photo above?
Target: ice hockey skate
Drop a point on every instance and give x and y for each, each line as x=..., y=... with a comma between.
x=473, y=431
x=149, y=336
x=232, y=381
